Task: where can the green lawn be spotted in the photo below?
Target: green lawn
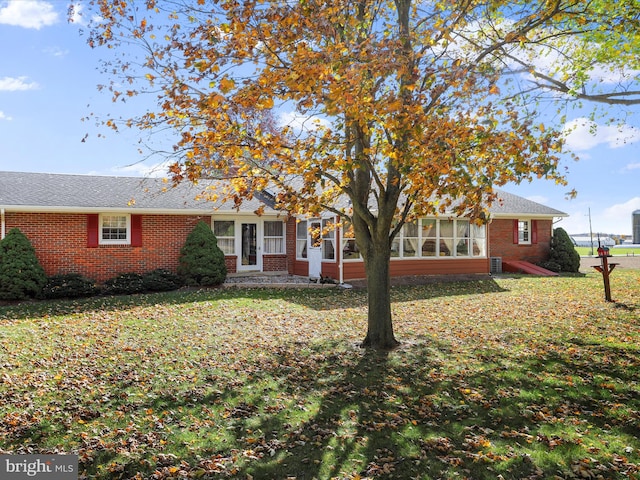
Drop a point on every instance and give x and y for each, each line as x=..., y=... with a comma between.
x=586, y=251
x=506, y=378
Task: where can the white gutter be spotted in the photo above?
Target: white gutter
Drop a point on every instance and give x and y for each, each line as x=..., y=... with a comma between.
x=3, y=226
x=122, y=210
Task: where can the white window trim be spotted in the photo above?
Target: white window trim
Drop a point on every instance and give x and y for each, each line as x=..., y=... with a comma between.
x=298, y=239
x=267, y=237
x=400, y=239
x=323, y=239
x=235, y=227
x=528, y=230
x=109, y=241
x=330, y=238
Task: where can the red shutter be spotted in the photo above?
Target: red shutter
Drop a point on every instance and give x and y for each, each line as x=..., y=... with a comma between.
x=92, y=230
x=136, y=230
x=534, y=231
x=515, y=231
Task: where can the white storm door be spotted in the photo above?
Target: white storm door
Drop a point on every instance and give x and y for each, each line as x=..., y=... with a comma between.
x=250, y=258
x=314, y=249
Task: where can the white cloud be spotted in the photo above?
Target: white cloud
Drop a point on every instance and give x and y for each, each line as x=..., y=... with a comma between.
x=612, y=219
x=631, y=166
x=583, y=134
x=140, y=169
x=76, y=14
x=56, y=52
x=12, y=84
x=621, y=212
x=539, y=199
x=4, y=116
x=301, y=122
x=28, y=13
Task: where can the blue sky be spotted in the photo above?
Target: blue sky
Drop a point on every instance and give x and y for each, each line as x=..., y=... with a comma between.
x=48, y=84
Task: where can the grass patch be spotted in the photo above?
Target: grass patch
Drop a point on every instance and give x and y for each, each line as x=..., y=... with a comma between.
x=618, y=251
x=519, y=377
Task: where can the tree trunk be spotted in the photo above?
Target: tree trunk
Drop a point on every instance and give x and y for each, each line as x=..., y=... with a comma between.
x=380, y=327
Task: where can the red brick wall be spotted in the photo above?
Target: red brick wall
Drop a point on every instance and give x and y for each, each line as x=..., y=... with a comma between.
x=501, y=244
x=60, y=241
x=291, y=244
x=274, y=263
x=231, y=262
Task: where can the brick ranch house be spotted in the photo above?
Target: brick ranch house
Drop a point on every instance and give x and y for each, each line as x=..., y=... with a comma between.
x=100, y=226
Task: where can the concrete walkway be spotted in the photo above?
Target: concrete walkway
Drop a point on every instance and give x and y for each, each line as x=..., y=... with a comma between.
x=271, y=280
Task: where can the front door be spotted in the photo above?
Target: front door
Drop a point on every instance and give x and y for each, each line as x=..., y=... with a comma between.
x=250, y=258
x=314, y=248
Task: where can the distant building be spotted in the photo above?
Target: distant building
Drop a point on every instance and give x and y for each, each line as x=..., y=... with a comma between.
x=635, y=222
x=585, y=241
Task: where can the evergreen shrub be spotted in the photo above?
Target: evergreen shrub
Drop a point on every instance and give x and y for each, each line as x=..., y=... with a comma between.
x=201, y=260
x=69, y=285
x=563, y=256
x=21, y=275
x=161, y=280
x=124, y=284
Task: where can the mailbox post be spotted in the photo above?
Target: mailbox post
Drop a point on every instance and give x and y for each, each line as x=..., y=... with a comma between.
x=605, y=268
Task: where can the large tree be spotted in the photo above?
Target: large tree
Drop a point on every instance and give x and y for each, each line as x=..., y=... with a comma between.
x=405, y=107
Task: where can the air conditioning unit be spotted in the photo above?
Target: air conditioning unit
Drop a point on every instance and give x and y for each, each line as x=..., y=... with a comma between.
x=496, y=264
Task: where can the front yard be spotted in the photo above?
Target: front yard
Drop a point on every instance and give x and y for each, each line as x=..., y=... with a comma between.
x=504, y=378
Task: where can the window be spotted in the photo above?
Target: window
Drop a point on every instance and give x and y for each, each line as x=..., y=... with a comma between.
x=328, y=240
x=429, y=236
x=463, y=236
x=524, y=231
x=349, y=249
x=410, y=239
x=301, y=239
x=224, y=230
x=115, y=229
x=273, y=237
x=478, y=240
x=447, y=239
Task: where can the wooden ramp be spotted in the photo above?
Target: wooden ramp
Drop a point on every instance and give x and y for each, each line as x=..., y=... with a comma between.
x=519, y=266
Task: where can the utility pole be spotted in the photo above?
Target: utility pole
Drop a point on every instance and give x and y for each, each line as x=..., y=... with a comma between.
x=590, y=232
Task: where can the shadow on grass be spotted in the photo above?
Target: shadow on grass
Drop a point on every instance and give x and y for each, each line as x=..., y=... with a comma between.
x=427, y=410
x=316, y=299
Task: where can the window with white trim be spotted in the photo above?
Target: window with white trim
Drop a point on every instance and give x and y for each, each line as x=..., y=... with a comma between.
x=301, y=239
x=115, y=229
x=224, y=230
x=410, y=239
x=462, y=238
x=349, y=248
x=429, y=237
x=447, y=240
x=273, y=237
x=478, y=240
x=328, y=239
x=524, y=232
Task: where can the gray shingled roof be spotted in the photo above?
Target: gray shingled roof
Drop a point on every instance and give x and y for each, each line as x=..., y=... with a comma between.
x=45, y=191
x=510, y=204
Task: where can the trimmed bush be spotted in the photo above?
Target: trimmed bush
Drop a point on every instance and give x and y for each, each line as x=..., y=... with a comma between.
x=201, y=260
x=70, y=285
x=124, y=284
x=21, y=275
x=161, y=280
x=563, y=252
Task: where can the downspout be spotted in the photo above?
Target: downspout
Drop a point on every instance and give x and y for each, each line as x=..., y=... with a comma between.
x=340, y=255
x=3, y=226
